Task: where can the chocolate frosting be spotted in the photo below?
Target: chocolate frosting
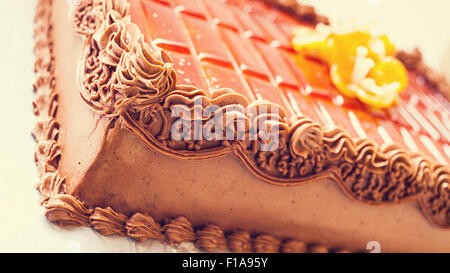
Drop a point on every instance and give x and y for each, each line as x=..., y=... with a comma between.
x=115, y=38
x=368, y=173
x=414, y=62
x=294, y=246
x=66, y=210
x=318, y=249
x=211, y=238
x=143, y=77
x=120, y=6
x=88, y=16
x=435, y=200
x=108, y=222
x=306, y=138
x=265, y=243
x=178, y=230
x=304, y=13
x=46, y=132
x=51, y=183
x=143, y=92
x=121, y=71
x=143, y=227
x=240, y=242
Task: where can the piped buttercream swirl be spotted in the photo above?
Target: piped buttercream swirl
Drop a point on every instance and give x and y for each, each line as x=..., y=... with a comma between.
x=108, y=222
x=240, y=242
x=65, y=209
x=265, y=243
x=121, y=6
x=143, y=227
x=294, y=246
x=178, y=230
x=144, y=76
x=306, y=138
x=116, y=37
x=211, y=238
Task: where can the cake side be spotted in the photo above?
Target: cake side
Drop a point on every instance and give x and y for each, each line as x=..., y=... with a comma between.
x=108, y=222
x=84, y=130
x=130, y=176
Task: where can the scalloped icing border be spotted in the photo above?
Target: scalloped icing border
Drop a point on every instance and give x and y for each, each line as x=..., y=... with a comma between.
x=304, y=13
x=66, y=210
x=413, y=61
x=363, y=161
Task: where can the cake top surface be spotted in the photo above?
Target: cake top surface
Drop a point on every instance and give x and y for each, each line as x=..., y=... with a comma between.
x=152, y=64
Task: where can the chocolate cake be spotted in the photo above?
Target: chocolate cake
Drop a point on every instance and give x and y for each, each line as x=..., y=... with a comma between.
x=125, y=88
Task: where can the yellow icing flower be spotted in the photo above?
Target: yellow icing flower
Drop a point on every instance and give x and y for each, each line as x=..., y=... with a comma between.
x=361, y=65
x=389, y=70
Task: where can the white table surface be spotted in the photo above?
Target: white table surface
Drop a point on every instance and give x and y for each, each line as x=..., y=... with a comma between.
x=23, y=225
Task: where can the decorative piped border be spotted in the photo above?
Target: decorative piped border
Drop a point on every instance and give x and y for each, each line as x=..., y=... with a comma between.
x=304, y=13
x=67, y=210
x=414, y=62
x=46, y=132
x=122, y=76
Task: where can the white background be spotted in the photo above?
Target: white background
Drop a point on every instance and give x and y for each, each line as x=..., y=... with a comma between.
x=23, y=225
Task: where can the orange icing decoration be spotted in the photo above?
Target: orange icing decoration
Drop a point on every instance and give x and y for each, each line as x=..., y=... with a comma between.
x=360, y=65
